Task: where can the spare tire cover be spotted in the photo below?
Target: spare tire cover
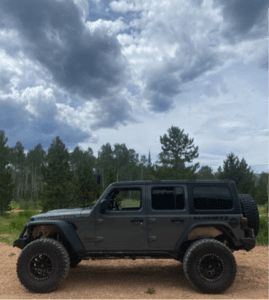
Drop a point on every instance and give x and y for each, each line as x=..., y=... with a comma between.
x=250, y=211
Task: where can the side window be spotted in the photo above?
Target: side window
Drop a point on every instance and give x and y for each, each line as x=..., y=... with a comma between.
x=212, y=198
x=167, y=198
x=127, y=198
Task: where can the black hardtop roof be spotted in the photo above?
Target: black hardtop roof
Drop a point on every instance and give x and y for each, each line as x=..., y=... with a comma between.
x=134, y=182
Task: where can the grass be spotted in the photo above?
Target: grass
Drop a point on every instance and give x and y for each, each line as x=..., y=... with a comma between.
x=151, y=291
x=12, y=223
x=262, y=238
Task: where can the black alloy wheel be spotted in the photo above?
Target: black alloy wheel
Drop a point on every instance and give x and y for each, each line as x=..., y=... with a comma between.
x=42, y=265
x=209, y=266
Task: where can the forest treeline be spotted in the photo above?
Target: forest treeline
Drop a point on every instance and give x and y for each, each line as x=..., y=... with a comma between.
x=59, y=178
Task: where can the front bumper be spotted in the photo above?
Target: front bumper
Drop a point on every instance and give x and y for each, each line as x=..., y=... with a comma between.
x=22, y=241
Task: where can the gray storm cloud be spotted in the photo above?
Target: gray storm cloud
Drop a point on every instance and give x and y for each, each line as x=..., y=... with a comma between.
x=90, y=65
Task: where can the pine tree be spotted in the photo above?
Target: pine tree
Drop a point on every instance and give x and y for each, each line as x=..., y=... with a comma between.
x=4, y=150
x=85, y=188
x=17, y=159
x=111, y=177
x=104, y=161
x=75, y=157
x=206, y=173
x=262, y=189
x=6, y=189
x=120, y=158
x=177, y=149
x=35, y=158
x=57, y=177
x=238, y=171
x=149, y=160
x=246, y=184
x=6, y=182
x=143, y=163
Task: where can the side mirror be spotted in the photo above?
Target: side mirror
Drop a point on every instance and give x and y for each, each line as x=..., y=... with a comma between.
x=103, y=206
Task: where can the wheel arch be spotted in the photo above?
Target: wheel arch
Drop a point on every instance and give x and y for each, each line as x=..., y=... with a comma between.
x=218, y=231
x=59, y=230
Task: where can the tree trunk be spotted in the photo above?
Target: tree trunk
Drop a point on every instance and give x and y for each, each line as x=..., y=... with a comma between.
x=35, y=183
x=103, y=179
x=26, y=180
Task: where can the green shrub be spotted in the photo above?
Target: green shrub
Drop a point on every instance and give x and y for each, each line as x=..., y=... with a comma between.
x=27, y=213
x=18, y=223
x=264, y=225
x=262, y=238
x=14, y=205
x=25, y=204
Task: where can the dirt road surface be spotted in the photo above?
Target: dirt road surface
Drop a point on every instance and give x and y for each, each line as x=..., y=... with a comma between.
x=128, y=279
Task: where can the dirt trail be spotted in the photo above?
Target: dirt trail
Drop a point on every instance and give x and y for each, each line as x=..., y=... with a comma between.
x=128, y=279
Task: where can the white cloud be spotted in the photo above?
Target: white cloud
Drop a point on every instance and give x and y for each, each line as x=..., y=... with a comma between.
x=110, y=27
x=125, y=6
x=39, y=101
x=232, y=124
x=83, y=6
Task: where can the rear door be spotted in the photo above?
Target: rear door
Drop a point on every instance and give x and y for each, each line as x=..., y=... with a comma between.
x=168, y=215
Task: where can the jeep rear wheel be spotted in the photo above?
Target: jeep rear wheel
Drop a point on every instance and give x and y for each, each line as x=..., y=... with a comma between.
x=250, y=211
x=209, y=266
x=43, y=265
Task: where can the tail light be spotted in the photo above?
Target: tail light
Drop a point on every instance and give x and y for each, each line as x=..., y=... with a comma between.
x=244, y=223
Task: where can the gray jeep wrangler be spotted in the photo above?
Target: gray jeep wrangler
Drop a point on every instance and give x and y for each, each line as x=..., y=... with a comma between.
x=197, y=222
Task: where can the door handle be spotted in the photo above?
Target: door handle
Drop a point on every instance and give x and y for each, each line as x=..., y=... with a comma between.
x=137, y=220
x=177, y=220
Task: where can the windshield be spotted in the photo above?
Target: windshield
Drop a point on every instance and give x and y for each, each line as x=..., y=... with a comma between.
x=101, y=197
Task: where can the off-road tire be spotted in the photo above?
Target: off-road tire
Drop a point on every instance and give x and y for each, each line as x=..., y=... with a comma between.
x=250, y=211
x=43, y=252
x=196, y=266
x=74, y=261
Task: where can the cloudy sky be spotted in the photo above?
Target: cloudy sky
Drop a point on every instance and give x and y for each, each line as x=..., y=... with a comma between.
x=99, y=71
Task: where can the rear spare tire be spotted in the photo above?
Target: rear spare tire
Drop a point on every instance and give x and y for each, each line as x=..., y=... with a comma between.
x=250, y=211
x=43, y=265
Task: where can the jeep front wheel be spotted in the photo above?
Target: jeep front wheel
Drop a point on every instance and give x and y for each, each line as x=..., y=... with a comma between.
x=209, y=266
x=43, y=265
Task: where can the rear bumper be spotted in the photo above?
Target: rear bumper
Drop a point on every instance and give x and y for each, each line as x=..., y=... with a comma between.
x=249, y=242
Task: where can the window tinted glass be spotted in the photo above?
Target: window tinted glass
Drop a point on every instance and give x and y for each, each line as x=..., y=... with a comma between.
x=212, y=198
x=167, y=198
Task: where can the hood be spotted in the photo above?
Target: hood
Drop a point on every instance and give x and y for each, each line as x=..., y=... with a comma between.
x=63, y=213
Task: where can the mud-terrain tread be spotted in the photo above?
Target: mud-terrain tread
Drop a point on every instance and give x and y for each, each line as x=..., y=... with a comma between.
x=250, y=211
x=200, y=286
x=63, y=257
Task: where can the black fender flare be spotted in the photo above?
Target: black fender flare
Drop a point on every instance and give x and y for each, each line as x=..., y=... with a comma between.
x=66, y=230
x=221, y=226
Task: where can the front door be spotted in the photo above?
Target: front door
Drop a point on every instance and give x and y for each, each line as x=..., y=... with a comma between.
x=168, y=215
x=123, y=226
